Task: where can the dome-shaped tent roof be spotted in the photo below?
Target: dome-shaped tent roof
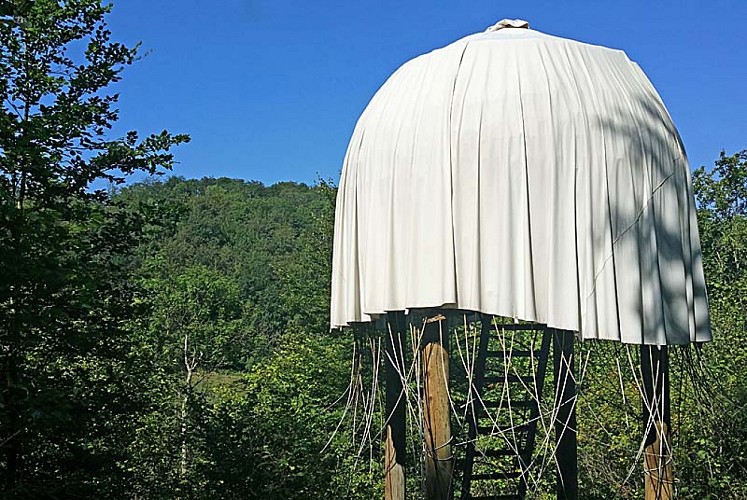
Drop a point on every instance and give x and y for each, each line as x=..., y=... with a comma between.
x=523, y=175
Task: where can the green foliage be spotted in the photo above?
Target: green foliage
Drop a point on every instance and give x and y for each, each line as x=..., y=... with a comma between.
x=266, y=240
x=66, y=301
x=306, y=278
x=258, y=434
x=170, y=339
x=717, y=438
x=241, y=271
x=280, y=415
x=721, y=196
x=203, y=306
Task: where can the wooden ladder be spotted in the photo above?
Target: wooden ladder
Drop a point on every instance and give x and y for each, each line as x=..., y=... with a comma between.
x=509, y=377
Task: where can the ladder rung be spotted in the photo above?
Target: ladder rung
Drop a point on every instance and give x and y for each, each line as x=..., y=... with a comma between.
x=489, y=429
x=516, y=353
x=520, y=403
x=500, y=379
x=491, y=476
x=479, y=406
x=490, y=377
x=503, y=452
x=497, y=497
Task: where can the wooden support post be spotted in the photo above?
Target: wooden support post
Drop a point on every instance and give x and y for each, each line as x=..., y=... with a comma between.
x=394, y=459
x=565, y=421
x=439, y=462
x=657, y=456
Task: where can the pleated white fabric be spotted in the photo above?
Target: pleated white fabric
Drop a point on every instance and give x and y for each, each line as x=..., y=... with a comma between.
x=523, y=175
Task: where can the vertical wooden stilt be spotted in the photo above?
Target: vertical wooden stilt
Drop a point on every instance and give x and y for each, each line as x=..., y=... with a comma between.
x=439, y=462
x=657, y=465
x=394, y=459
x=565, y=422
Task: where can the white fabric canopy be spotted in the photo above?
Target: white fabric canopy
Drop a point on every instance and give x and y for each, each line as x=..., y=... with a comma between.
x=523, y=175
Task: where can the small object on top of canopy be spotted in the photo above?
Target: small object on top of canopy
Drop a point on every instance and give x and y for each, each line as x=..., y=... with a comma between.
x=508, y=23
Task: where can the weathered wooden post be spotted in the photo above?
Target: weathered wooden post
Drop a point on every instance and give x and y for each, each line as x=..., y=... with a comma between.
x=439, y=462
x=394, y=459
x=657, y=455
x=565, y=420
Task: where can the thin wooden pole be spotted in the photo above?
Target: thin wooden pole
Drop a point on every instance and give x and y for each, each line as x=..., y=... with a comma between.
x=657, y=456
x=439, y=462
x=565, y=421
x=394, y=459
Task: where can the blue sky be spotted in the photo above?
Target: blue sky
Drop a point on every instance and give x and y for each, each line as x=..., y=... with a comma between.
x=271, y=90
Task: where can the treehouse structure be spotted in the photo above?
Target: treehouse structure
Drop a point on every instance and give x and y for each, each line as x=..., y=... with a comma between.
x=529, y=193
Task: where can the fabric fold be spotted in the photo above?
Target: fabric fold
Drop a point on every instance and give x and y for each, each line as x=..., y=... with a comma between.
x=527, y=176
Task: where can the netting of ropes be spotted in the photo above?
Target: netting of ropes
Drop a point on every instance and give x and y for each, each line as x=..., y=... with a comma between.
x=511, y=394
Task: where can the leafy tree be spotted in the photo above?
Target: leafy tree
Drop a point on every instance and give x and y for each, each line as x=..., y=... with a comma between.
x=66, y=370
x=306, y=277
x=198, y=320
x=267, y=430
x=273, y=242
x=259, y=410
x=716, y=439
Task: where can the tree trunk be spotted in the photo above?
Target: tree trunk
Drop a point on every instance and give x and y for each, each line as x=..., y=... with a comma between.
x=189, y=366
